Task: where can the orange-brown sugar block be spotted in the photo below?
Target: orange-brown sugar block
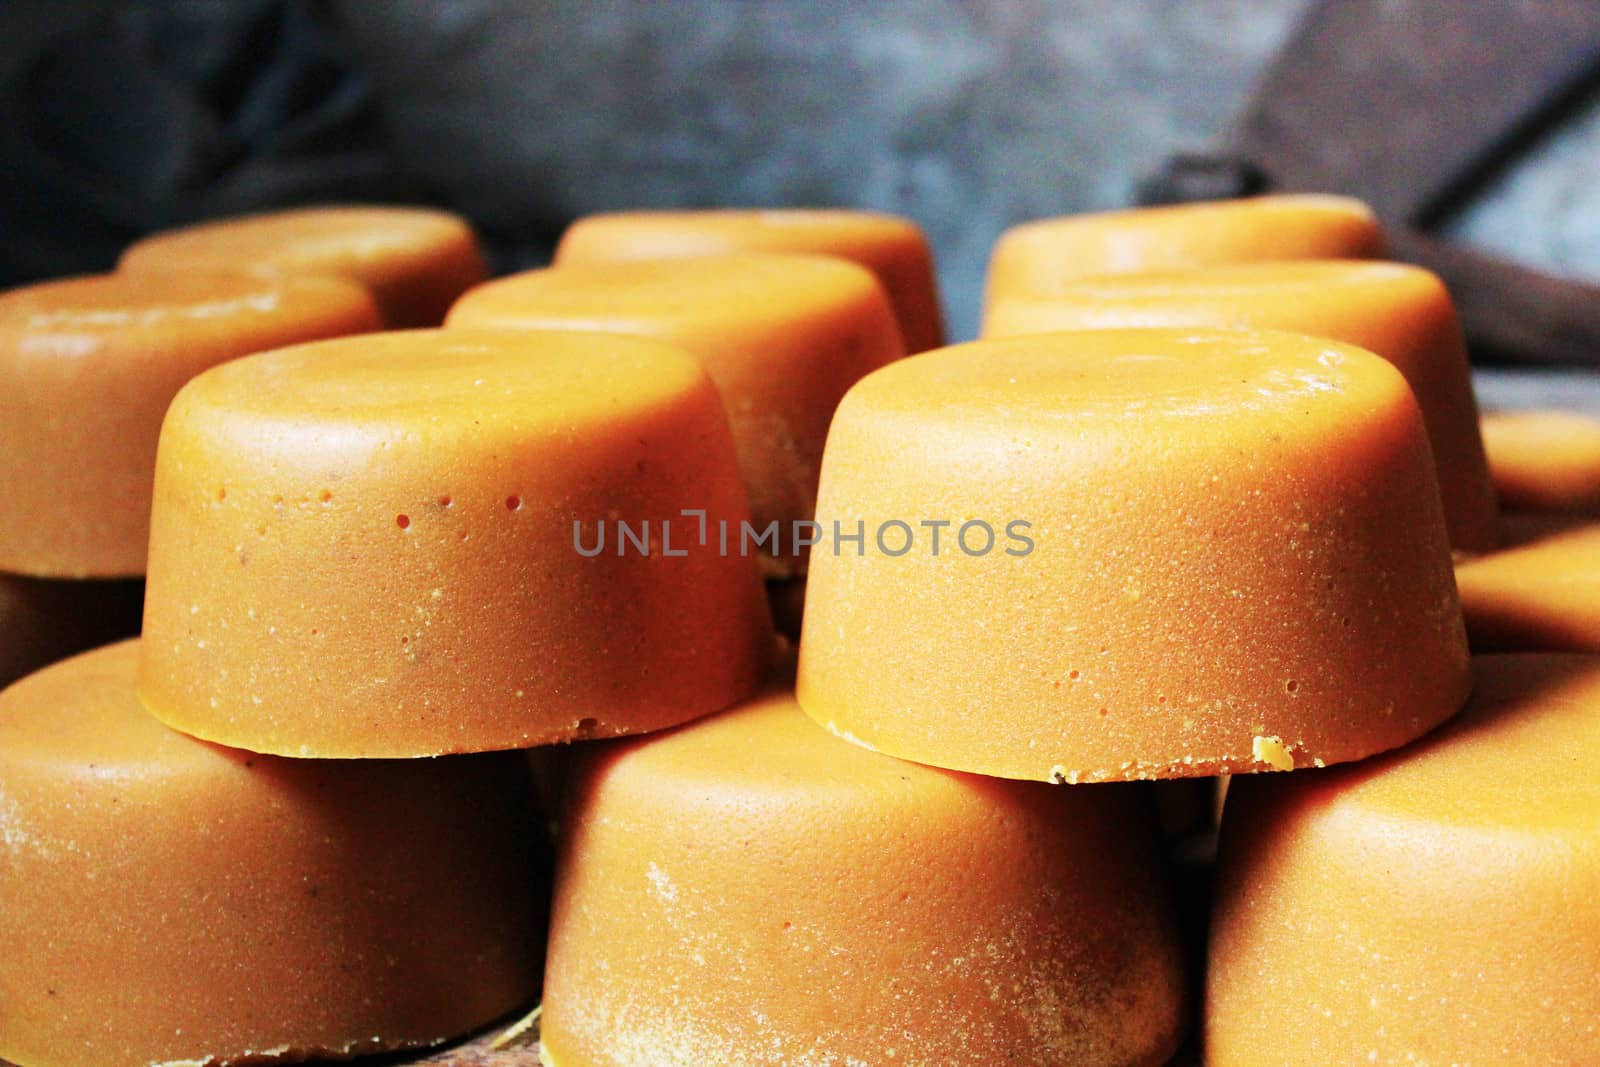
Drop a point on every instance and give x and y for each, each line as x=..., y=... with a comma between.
x=1166, y=553
x=409, y=544
x=890, y=247
x=1540, y=596
x=415, y=261
x=45, y=619
x=1435, y=905
x=1037, y=257
x=1399, y=312
x=87, y=369
x=1544, y=461
x=167, y=900
x=783, y=337
x=749, y=890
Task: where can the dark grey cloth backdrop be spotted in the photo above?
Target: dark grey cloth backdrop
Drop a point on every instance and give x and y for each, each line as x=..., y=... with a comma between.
x=967, y=116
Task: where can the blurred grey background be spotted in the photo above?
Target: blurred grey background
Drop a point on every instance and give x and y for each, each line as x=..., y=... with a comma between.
x=966, y=116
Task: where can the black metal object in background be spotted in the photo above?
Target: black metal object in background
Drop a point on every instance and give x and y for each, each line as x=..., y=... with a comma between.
x=1411, y=106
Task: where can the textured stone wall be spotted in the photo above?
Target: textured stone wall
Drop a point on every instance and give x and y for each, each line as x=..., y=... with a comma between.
x=966, y=115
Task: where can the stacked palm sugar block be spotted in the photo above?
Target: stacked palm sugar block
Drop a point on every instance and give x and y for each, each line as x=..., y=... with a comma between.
x=413, y=261
x=1234, y=558
x=892, y=248
x=1034, y=257
x=1544, y=462
x=165, y=898
x=87, y=368
x=1538, y=592
x=782, y=336
x=1188, y=510
x=1434, y=905
x=365, y=547
x=819, y=326
x=1425, y=904
x=1399, y=312
x=749, y=889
